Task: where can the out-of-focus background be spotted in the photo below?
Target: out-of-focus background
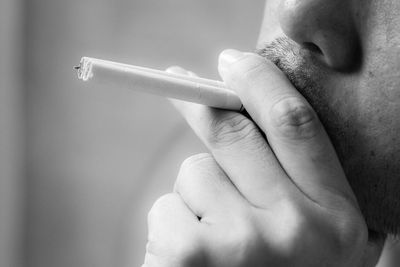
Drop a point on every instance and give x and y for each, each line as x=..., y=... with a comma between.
x=81, y=165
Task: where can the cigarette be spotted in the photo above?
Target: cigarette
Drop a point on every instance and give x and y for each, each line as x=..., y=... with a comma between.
x=187, y=88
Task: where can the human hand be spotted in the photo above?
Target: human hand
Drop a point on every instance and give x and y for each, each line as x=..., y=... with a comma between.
x=281, y=202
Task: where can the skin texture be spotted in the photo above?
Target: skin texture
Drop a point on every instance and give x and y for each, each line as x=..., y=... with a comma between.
x=308, y=177
x=344, y=57
x=271, y=193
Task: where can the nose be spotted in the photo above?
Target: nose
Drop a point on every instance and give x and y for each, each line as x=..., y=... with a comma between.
x=325, y=27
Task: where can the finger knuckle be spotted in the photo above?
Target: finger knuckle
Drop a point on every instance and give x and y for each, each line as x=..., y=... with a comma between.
x=162, y=203
x=245, y=237
x=230, y=129
x=294, y=119
x=292, y=220
x=202, y=160
x=193, y=168
x=350, y=236
x=243, y=241
x=197, y=159
x=290, y=227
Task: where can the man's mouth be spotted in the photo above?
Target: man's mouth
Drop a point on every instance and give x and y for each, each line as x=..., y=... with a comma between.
x=292, y=60
x=308, y=76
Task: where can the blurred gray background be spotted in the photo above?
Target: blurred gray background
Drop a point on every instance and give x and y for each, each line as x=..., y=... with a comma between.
x=80, y=165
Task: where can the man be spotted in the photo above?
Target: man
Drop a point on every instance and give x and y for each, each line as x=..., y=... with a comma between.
x=312, y=178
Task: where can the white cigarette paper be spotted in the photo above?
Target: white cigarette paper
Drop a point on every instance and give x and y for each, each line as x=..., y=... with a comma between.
x=192, y=89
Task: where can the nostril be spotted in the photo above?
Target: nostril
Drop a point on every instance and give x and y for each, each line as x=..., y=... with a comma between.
x=325, y=30
x=312, y=47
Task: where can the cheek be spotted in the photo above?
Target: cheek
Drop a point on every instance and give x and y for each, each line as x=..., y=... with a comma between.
x=379, y=113
x=382, y=73
x=379, y=94
x=363, y=124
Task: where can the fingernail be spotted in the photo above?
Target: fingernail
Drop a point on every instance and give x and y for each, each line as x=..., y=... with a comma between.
x=228, y=57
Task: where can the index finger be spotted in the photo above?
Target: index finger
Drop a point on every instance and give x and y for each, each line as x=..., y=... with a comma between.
x=292, y=128
x=241, y=151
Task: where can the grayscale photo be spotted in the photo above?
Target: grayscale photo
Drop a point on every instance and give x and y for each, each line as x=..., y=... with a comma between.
x=213, y=133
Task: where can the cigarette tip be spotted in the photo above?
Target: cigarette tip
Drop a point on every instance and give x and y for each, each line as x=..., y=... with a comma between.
x=78, y=69
x=84, y=69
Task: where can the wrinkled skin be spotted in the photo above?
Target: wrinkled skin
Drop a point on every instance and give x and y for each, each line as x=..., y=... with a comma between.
x=344, y=57
x=279, y=199
x=309, y=177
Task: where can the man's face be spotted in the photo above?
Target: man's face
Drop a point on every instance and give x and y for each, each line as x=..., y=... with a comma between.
x=344, y=57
